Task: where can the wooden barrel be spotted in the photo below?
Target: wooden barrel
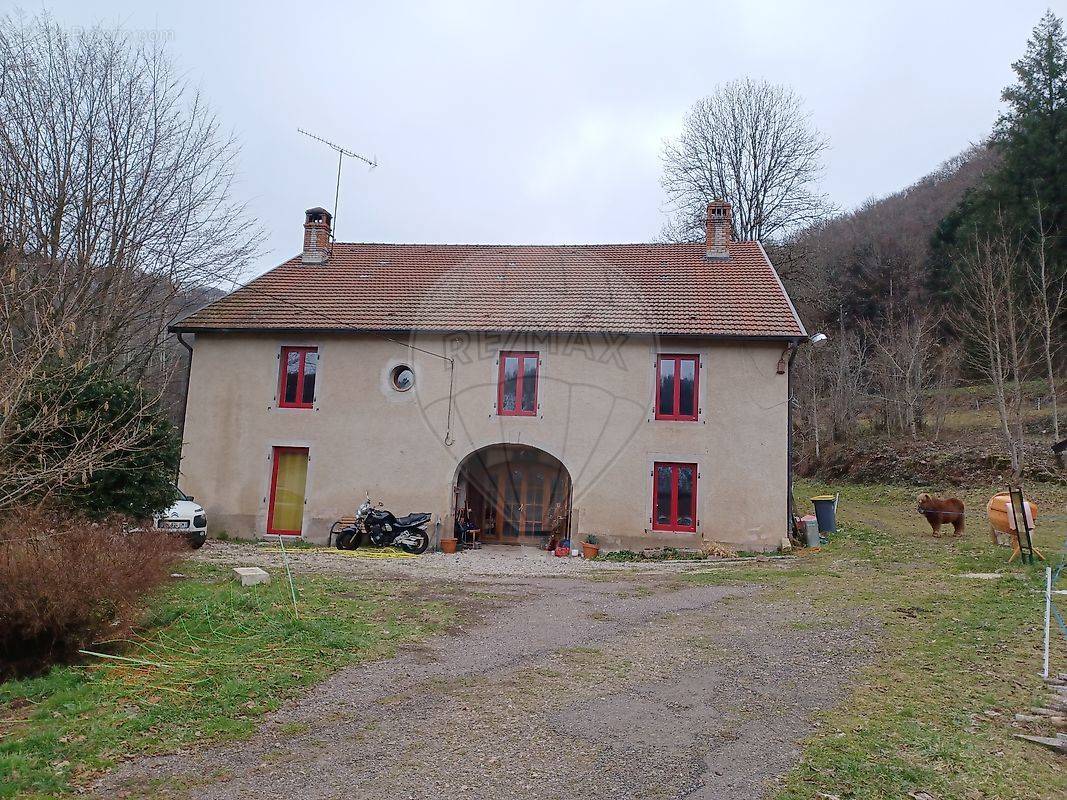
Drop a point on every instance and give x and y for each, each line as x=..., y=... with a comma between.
x=997, y=511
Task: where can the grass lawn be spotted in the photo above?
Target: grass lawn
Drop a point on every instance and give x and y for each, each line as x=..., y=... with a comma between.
x=957, y=657
x=226, y=656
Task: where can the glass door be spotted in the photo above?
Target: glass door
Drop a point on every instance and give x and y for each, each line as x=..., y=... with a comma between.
x=285, y=516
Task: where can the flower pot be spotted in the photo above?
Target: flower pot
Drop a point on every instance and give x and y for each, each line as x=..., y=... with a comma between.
x=590, y=550
x=449, y=545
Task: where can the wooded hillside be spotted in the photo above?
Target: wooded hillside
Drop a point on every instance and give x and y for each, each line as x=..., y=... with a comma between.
x=859, y=261
x=958, y=280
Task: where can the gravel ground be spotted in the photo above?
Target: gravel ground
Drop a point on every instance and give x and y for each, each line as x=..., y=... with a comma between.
x=636, y=685
x=490, y=561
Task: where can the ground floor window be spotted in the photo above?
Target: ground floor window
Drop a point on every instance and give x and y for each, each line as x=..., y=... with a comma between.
x=288, y=480
x=674, y=497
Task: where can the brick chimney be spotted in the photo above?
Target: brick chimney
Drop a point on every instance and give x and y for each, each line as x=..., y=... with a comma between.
x=316, y=236
x=719, y=229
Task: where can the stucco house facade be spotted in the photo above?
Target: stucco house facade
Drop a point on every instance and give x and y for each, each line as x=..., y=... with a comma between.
x=639, y=392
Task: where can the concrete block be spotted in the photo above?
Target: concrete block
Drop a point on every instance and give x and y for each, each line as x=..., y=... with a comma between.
x=250, y=576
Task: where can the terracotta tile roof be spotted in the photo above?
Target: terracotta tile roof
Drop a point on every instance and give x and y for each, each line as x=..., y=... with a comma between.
x=624, y=288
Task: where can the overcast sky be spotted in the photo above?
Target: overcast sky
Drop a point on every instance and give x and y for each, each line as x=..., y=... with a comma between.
x=538, y=122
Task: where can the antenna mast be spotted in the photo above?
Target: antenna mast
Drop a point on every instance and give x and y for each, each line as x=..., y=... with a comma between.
x=341, y=153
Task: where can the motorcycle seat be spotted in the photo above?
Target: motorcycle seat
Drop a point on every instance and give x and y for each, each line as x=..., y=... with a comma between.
x=412, y=519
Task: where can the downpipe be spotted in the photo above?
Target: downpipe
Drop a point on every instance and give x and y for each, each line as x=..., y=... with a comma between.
x=815, y=340
x=185, y=401
x=789, y=509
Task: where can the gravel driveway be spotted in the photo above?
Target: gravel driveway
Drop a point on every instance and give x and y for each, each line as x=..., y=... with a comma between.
x=624, y=685
x=491, y=561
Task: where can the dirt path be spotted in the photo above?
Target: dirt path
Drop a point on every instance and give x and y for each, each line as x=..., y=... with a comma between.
x=638, y=686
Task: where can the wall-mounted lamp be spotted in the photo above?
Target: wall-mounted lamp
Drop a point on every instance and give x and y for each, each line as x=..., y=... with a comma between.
x=816, y=340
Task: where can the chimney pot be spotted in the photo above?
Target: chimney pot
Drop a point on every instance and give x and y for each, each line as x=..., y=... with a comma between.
x=316, y=236
x=719, y=229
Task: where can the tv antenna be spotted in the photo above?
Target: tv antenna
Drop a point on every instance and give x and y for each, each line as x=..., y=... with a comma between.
x=341, y=153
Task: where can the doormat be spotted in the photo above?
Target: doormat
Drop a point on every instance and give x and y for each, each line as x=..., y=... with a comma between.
x=382, y=552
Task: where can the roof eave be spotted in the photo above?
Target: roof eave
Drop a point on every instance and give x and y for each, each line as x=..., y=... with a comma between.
x=304, y=330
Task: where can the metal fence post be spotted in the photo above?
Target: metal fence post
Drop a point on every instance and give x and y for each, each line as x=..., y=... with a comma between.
x=1048, y=617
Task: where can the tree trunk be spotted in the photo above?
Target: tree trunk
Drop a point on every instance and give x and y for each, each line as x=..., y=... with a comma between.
x=1049, y=309
x=815, y=417
x=1017, y=390
x=1050, y=374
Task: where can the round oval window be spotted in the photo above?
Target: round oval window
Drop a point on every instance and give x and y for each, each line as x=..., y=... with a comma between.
x=402, y=378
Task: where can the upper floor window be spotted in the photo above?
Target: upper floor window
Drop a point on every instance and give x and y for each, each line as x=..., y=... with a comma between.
x=674, y=497
x=677, y=387
x=297, y=380
x=517, y=391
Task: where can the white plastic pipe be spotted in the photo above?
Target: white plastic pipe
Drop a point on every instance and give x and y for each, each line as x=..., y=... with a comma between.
x=1048, y=615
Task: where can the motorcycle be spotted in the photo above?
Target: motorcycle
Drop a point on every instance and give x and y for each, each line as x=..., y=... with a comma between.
x=382, y=528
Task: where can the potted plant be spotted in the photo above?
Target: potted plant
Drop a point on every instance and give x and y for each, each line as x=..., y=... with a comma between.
x=590, y=546
x=449, y=545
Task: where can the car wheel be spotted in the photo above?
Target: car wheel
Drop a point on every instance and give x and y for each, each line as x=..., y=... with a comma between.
x=196, y=540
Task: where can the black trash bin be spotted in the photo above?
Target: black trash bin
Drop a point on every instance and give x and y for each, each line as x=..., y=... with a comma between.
x=825, y=513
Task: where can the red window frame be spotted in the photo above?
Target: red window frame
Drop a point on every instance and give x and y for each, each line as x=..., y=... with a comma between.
x=522, y=355
x=283, y=373
x=678, y=359
x=275, y=451
x=673, y=525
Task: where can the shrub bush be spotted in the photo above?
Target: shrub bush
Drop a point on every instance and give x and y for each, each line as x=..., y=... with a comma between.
x=710, y=551
x=69, y=583
x=110, y=448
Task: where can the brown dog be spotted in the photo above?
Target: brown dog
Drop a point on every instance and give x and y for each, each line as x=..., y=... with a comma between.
x=942, y=511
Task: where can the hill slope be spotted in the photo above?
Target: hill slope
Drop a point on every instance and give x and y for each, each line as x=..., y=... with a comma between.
x=857, y=261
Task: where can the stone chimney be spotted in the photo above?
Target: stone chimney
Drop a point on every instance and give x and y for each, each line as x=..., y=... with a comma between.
x=719, y=229
x=316, y=236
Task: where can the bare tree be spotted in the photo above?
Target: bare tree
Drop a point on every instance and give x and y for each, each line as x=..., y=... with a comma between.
x=992, y=321
x=47, y=441
x=946, y=377
x=751, y=143
x=115, y=186
x=1049, y=287
x=905, y=366
x=846, y=378
x=834, y=380
x=115, y=210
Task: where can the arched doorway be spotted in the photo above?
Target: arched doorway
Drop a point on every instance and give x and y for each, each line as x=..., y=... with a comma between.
x=514, y=494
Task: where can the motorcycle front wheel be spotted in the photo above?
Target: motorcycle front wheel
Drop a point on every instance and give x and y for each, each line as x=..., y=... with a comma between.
x=348, y=539
x=420, y=541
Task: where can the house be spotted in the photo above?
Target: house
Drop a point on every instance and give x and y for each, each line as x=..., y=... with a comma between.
x=635, y=391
